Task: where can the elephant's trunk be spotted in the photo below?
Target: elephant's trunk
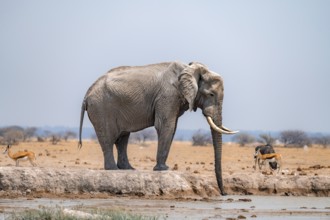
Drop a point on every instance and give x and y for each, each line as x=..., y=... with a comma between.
x=217, y=130
x=217, y=143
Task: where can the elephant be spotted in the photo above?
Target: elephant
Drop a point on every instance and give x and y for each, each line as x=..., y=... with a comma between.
x=130, y=98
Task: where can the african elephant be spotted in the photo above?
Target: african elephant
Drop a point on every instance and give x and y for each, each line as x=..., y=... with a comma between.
x=129, y=99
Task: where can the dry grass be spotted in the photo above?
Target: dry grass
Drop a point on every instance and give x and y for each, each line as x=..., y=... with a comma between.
x=183, y=157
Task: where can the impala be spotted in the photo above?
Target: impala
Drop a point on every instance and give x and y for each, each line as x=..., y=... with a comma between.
x=269, y=157
x=21, y=156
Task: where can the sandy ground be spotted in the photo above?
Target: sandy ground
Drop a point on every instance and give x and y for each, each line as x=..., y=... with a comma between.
x=183, y=157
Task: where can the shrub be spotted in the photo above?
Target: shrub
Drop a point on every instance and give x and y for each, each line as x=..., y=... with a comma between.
x=266, y=139
x=294, y=138
x=12, y=134
x=141, y=137
x=243, y=139
x=201, y=138
x=323, y=140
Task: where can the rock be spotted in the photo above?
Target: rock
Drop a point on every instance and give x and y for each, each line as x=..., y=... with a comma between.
x=171, y=184
x=245, y=200
x=80, y=181
x=176, y=167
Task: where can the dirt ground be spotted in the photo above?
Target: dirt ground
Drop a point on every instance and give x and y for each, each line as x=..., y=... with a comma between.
x=183, y=156
x=64, y=160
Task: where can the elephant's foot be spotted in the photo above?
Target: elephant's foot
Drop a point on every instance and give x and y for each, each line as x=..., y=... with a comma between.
x=125, y=166
x=224, y=194
x=110, y=167
x=160, y=167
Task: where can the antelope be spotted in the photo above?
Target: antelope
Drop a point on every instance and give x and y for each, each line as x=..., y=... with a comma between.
x=274, y=157
x=21, y=155
x=264, y=149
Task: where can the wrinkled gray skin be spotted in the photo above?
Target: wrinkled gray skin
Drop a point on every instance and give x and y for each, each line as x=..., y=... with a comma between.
x=129, y=99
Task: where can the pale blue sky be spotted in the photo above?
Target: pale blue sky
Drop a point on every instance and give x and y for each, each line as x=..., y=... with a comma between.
x=274, y=56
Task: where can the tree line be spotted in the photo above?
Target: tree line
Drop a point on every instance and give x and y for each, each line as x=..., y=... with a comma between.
x=17, y=134
x=288, y=138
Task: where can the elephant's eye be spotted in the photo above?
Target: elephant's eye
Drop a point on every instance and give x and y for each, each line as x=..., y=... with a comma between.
x=211, y=94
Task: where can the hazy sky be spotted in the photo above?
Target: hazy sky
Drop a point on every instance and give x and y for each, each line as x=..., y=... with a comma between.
x=274, y=56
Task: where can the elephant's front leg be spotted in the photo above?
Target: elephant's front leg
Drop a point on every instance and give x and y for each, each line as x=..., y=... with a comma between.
x=165, y=130
x=121, y=145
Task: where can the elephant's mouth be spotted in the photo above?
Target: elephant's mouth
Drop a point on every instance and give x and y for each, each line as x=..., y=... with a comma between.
x=222, y=130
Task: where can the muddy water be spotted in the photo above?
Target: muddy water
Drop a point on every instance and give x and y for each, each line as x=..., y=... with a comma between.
x=250, y=207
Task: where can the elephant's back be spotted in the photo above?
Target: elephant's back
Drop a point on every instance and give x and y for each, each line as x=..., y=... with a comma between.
x=135, y=79
x=139, y=69
x=96, y=88
x=128, y=83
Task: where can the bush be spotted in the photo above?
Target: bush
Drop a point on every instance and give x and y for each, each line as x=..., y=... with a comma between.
x=29, y=133
x=323, y=140
x=243, y=139
x=200, y=138
x=142, y=136
x=12, y=134
x=266, y=139
x=294, y=138
x=69, y=134
x=55, y=138
x=16, y=134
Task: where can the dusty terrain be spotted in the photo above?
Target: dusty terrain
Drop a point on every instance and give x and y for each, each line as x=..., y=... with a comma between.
x=193, y=166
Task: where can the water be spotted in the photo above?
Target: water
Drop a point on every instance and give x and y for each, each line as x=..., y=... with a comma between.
x=251, y=207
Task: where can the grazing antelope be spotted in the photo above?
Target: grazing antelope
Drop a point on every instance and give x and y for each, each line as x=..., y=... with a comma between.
x=21, y=155
x=274, y=157
x=264, y=149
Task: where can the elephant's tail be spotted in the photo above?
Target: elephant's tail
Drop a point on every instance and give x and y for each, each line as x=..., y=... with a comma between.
x=83, y=109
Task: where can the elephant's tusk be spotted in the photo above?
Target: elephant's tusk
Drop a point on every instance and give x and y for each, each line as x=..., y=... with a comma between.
x=222, y=130
x=227, y=129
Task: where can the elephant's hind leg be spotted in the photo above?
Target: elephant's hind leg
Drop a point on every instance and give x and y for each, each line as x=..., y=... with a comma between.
x=107, y=148
x=105, y=135
x=121, y=145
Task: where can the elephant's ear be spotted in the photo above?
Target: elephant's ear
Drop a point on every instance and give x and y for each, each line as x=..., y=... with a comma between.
x=188, y=82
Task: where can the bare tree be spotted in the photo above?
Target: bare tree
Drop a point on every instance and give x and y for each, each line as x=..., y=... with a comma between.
x=142, y=136
x=55, y=138
x=266, y=139
x=12, y=134
x=323, y=140
x=244, y=138
x=135, y=138
x=46, y=134
x=29, y=133
x=40, y=139
x=148, y=134
x=201, y=138
x=294, y=138
x=69, y=134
